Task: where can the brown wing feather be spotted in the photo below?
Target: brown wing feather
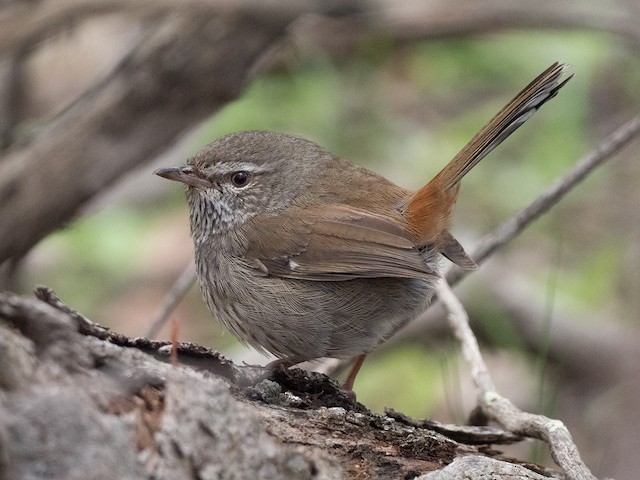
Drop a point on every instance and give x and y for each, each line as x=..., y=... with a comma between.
x=333, y=243
x=448, y=246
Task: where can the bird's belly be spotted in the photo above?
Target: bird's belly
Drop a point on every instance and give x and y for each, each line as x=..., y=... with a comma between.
x=311, y=319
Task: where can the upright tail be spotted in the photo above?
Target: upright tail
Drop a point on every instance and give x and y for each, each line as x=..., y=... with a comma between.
x=429, y=209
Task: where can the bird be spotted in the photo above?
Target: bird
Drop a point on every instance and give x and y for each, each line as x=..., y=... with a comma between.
x=304, y=255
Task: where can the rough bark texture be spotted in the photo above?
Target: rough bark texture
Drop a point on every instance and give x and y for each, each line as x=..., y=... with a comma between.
x=77, y=401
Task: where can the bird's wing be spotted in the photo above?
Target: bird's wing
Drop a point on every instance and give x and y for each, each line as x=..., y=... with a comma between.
x=332, y=243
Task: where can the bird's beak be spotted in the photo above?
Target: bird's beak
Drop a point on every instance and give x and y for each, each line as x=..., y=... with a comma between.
x=186, y=174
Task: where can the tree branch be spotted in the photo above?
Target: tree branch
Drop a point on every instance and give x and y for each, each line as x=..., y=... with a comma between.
x=493, y=406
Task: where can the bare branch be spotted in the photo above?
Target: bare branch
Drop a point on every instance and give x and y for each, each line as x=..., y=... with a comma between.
x=25, y=24
x=482, y=467
x=459, y=323
x=408, y=21
x=173, y=298
x=495, y=407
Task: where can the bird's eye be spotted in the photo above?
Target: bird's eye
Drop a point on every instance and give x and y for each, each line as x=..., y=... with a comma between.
x=240, y=179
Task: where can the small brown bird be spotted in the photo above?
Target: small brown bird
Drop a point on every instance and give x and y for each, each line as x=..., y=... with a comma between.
x=304, y=255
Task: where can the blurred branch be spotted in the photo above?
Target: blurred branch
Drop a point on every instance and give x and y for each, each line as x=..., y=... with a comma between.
x=12, y=85
x=492, y=406
x=184, y=69
x=172, y=299
x=410, y=21
x=24, y=24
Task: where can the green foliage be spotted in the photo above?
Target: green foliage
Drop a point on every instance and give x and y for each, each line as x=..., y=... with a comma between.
x=319, y=102
x=93, y=258
x=593, y=281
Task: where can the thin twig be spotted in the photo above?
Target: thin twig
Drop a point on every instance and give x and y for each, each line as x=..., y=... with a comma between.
x=459, y=323
x=175, y=295
x=583, y=167
x=495, y=407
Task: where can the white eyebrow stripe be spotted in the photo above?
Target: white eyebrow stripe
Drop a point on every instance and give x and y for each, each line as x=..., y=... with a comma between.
x=230, y=167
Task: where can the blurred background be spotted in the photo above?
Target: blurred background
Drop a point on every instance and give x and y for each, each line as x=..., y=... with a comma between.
x=398, y=87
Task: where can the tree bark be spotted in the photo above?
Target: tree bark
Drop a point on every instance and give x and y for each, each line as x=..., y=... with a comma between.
x=78, y=401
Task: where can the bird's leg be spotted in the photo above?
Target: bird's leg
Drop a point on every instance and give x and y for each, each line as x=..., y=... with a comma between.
x=347, y=385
